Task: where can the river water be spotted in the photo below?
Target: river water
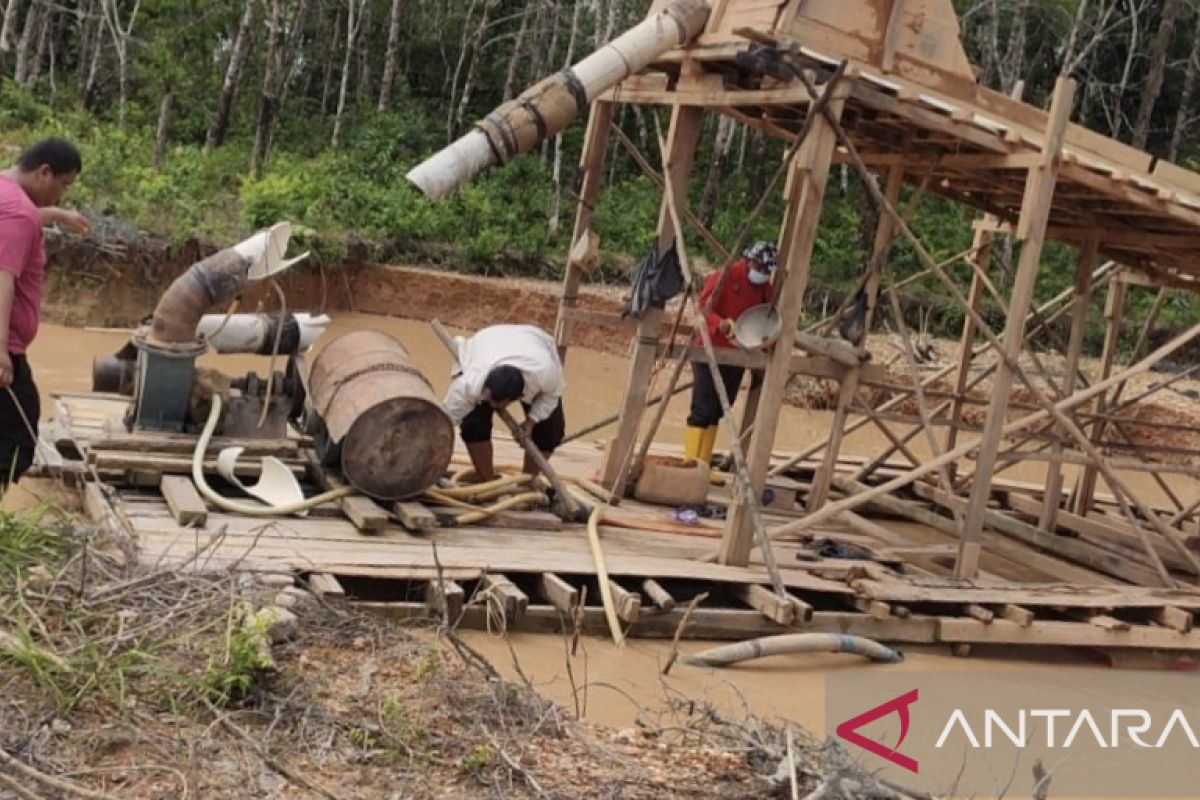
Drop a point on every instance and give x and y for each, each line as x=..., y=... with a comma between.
x=612, y=685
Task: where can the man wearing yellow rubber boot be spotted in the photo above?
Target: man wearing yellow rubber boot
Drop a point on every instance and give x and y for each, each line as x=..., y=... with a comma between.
x=748, y=284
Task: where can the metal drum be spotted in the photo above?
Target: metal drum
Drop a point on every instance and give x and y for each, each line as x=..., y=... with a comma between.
x=383, y=420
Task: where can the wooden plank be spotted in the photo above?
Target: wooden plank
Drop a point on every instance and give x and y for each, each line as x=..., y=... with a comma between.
x=629, y=604
x=1071, y=549
x=1109, y=623
x=976, y=611
x=1174, y=618
x=1092, y=525
x=662, y=599
x=1078, y=634
x=175, y=465
x=178, y=443
x=446, y=599
x=1017, y=614
x=320, y=583
x=504, y=597
x=1052, y=596
x=1031, y=228
x=558, y=592
x=809, y=172
x=704, y=623
x=414, y=516
x=364, y=512
x=184, y=501
x=779, y=609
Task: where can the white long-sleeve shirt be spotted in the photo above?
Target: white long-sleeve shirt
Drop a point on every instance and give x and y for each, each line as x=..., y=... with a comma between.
x=529, y=349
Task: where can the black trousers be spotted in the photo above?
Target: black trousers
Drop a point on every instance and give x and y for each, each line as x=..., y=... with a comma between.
x=547, y=434
x=706, y=405
x=16, y=446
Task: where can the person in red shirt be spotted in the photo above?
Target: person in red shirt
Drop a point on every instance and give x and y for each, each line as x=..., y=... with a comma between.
x=748, y=284
x=35, y=183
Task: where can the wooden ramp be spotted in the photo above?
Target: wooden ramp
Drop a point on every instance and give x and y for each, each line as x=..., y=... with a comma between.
x=527, y=570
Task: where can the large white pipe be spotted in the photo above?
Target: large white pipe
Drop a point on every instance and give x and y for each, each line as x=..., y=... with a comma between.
x=549, y=106
x=255, y=333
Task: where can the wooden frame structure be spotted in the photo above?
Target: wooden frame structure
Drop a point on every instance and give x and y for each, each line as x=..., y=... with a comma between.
x=903, y=107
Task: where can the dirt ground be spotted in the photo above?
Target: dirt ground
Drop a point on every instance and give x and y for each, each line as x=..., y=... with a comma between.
x=119, y=683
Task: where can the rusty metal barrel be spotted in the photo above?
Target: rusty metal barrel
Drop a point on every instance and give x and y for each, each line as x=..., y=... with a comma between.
x=388, y=428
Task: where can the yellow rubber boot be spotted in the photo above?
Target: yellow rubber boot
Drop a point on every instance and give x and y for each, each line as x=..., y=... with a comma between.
x=693, y=441
x=706, y=451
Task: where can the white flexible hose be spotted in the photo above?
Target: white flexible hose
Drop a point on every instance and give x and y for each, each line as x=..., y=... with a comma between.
x=250, y=509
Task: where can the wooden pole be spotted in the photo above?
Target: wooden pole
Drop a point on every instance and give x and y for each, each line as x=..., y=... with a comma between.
x=806, y=193
x=1083, y=295
x=1031, y=228
x=740, y=470
x=982, y=257
x=1114, y=304
x=682, y=135
x=591, y=166
x=884, y=231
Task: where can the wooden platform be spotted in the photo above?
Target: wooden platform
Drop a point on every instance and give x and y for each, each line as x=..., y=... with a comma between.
x=532, y=572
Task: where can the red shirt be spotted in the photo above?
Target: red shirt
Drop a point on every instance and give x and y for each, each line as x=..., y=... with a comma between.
x=23, y=254
x=737, y=295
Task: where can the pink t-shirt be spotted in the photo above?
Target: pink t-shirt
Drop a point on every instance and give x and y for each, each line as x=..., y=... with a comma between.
x=22, y=253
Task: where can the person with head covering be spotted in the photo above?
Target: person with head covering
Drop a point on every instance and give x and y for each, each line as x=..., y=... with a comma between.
x=748, y=284
x=497, y=366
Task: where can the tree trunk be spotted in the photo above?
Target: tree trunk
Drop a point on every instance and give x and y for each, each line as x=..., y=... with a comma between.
x=716, y=169
x=270, y=86
x=233, y=78
x=93, y=71
x=6, y=28
x=329, y=54
x=756, y=181
x=164, y=127
x=556, y=200
x=39, y=59
x=28, y=42
x=353, y=22
x=518, y=46
x=287, y=71
x=547, y=57
x=391, y=63
x=1012, y=66
x=362, y=86
x=464, y=99
x=1154, y=77
x=452, y=89
x=1183, y=116
x=1114, y=110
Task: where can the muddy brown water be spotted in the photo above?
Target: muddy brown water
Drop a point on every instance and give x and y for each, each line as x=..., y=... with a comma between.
x=613, y=685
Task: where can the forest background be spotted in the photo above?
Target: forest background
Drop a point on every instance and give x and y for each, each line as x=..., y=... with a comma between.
x=205, y=119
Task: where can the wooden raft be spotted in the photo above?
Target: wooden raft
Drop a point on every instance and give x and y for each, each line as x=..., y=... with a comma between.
x=534, y=573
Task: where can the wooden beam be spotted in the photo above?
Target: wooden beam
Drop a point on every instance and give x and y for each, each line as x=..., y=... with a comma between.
x=1174, y=618
x=662, y=599
x=809, y=172
x=184, y=501
x=558, y=592
x=1083, y=294
x=1071, y=634
x=414, y=516
x=364, y=512
x=320, y=583
x=504, y=598
x=629, y=604
x=591, y=168
x=445, y=599
x=682, y=137
x=770, y=605
x=1035, y=210
x=1017, y=614
x=1114, y=305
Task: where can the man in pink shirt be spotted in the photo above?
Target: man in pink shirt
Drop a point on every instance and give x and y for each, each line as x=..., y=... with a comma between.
x=35, y=183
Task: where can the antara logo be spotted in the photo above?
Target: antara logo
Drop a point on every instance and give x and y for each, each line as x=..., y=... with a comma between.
x=848, y=730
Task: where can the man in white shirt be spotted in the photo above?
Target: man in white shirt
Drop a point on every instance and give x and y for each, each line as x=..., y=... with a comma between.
x=496, y=366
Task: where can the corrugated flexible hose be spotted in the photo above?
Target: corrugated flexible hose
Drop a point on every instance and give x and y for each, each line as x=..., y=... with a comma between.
x=788, y=643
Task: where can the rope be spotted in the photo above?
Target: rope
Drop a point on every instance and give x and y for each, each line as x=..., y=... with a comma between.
x=28, y=425
x=262, y=416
